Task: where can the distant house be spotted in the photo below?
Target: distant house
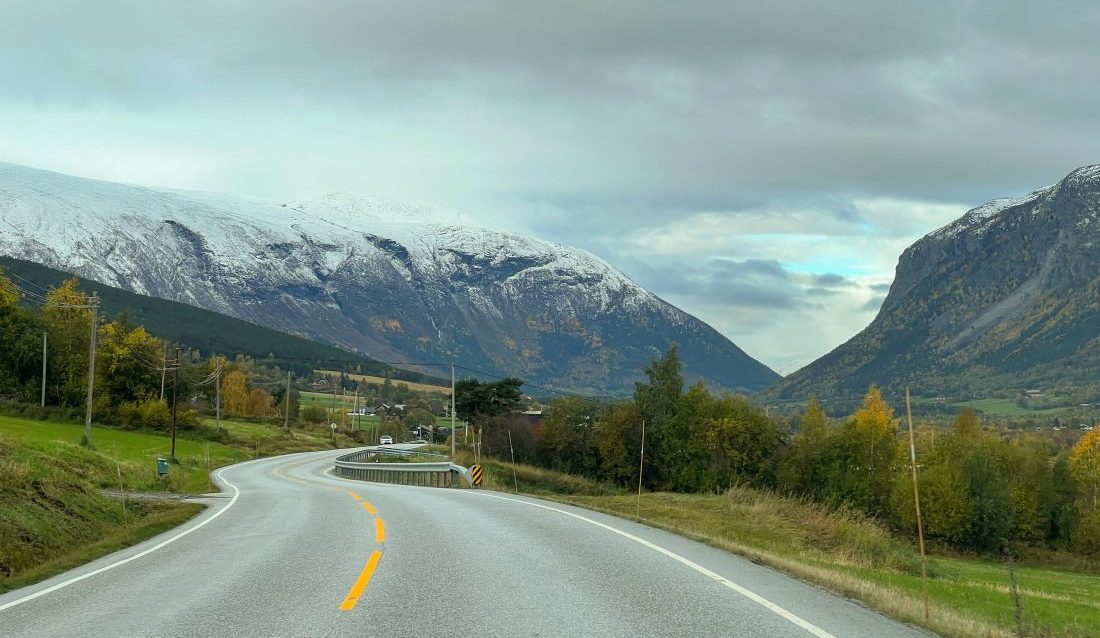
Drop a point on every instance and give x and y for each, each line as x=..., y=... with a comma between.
x=531, y=417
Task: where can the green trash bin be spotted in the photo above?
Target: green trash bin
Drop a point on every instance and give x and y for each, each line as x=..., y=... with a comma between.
x=162, y=466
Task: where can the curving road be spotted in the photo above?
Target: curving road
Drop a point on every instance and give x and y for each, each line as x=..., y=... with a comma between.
x=289, y=550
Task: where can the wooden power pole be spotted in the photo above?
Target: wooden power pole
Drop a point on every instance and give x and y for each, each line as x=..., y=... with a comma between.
x=94, y=302
x=286, y=416
x=175, y=401
x=916, y=503
x=218, y=397
x=44, y=335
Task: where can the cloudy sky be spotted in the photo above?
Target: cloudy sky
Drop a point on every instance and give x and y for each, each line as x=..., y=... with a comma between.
x=759, y=164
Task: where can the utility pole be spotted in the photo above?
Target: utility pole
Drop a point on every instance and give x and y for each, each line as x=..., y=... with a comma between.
x=218, y=396
x=333, y=419
x=44, y=333
x=916, y=503
x=512, y=451
x=286, y=416
x=94, y=302
x=175, y=401
x=163, y=369
x=453, y=411
x=641, y=466
x=358, y=421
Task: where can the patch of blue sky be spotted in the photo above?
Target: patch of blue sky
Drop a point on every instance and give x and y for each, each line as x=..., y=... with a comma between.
x=830, y=265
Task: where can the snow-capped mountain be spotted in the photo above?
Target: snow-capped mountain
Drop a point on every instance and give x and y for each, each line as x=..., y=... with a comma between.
x=1002, y=299
x=369, y=276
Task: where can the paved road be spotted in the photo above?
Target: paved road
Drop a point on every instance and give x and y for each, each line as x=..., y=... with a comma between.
x=292, y=551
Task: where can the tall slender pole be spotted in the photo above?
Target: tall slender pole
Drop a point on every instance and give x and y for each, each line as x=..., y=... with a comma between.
x=286, y=417
x=175, y=400
x=453, y=410
x=333, y=419
x=44, y=334
x=641, y=466
x=218, y=397
x=91, y=373
x=916, y=503
x=358, y=421
x=163, y=370
x=515, y=481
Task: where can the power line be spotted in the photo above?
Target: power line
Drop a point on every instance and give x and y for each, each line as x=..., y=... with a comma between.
x=26, y=281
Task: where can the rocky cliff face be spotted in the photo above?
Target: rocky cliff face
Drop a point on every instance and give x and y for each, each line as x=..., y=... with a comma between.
x=1004, y=298
x=367, y=276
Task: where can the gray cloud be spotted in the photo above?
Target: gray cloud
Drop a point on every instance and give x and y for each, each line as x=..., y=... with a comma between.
x=874, y=303
x=740, y=158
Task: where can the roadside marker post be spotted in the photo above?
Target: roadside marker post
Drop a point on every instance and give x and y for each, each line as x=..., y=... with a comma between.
x=476, y=474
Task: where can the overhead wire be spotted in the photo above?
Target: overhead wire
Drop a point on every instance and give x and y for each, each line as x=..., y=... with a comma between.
x=26, y=281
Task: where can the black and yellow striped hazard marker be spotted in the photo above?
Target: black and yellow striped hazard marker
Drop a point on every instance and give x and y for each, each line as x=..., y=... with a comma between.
x=476, y=474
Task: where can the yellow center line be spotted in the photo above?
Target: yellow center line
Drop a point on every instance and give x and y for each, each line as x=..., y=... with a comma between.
x=379, y=531
x=370, y=508
x=278, y=471
x=361, y=583
x=354, y=495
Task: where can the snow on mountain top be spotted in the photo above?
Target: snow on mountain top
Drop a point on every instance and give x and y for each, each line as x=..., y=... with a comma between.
x=58, y=214
x=348, y=208
x=1083, y=175
x=976, y=220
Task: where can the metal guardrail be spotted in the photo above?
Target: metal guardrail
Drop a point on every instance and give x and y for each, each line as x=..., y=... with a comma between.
x=429, y=474
x=379, y=451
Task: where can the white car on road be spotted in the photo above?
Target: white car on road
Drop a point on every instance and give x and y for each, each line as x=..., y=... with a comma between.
x=385, y=440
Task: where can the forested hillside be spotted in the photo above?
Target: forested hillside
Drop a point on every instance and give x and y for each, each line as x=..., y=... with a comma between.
x=203, y=330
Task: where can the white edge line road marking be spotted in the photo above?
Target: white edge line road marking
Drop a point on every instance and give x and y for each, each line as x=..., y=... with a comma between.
x=76, y=579
x=751, y=595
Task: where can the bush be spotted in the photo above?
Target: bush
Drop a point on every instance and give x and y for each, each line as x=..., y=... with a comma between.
x=1086, y=536
x=314, y=414
x=129, y=415
x=155, y=415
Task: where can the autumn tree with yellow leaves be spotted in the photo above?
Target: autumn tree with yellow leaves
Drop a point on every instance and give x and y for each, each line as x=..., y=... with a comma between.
x=68, y=322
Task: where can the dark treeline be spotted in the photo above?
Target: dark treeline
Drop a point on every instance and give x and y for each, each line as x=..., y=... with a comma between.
x=136, y=373
x=205, y=330
x=980, y=490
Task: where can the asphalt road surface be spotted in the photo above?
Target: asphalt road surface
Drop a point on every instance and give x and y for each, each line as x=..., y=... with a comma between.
x=289, y=550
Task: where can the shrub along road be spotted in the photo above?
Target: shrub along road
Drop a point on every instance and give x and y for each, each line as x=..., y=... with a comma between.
x=291, y=551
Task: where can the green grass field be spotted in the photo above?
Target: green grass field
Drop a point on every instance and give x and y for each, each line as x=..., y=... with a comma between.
x=1004, y=407
x=138, y=451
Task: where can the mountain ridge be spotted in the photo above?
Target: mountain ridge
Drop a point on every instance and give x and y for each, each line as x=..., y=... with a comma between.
x=1001, y=299
x=367, y=276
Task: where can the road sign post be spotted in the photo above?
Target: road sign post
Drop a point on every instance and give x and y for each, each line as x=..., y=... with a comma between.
x=476, y=474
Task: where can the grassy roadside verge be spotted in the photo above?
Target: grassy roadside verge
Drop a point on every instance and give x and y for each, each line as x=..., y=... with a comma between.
x=158, y=518
x=53, y=515
x=845, y=552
